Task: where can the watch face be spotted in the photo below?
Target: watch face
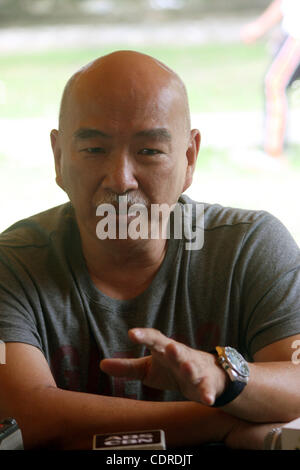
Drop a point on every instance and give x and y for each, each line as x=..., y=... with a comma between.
x=237, y=361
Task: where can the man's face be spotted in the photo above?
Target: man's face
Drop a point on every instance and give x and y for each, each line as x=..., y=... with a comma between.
x=129, y=141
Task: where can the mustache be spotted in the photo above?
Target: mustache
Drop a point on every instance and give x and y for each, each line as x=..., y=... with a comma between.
x=110, y=197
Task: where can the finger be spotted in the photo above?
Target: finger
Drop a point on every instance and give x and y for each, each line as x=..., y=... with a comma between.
x=130, y=368
x=189, y=372
x=185, y=371
x=205, y=392
x=196, y=388
x=150, y=337
x=178, y=352
x=174, y=352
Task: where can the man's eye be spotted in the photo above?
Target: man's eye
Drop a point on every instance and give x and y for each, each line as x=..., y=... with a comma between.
x=91, y=150
x=150, y=152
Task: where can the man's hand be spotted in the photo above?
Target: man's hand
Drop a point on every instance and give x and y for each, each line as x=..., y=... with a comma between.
x=171, y=366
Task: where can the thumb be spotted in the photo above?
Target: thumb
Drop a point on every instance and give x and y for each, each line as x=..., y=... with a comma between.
x=130, y=368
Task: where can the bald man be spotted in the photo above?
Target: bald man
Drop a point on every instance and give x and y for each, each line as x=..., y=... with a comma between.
x=76, y=278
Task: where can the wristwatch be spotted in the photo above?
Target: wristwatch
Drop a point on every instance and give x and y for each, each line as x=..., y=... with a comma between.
x=238, y=371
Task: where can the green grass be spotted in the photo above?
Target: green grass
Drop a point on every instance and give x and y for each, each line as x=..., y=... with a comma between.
x=219, y=77
x=212, y=159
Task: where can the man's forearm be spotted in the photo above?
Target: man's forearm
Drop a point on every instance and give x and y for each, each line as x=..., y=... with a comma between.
x=68, y=420
x=272, y=394
x=271, y=16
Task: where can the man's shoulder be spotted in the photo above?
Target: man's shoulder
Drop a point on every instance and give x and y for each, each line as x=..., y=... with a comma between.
x=38, y=228
x=217, y=216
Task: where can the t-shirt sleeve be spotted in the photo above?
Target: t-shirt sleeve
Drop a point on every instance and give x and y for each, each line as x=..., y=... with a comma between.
x=17, y=317
x=269, y=278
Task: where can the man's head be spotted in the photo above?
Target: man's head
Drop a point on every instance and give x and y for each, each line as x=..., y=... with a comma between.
x=124, y=128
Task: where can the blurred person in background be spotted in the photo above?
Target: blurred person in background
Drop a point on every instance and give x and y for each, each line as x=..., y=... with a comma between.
x=283, y=71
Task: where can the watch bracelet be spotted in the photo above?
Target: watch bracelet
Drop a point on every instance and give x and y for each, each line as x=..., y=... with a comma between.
x=231, y=392
x=272, y=440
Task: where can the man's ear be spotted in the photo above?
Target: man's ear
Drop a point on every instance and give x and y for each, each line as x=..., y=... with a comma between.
x=191, y=155
x=55, y=144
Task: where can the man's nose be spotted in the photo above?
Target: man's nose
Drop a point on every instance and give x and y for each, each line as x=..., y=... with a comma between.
x=120, y=174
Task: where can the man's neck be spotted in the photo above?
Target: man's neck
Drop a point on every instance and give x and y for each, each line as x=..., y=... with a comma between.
x=123, y=269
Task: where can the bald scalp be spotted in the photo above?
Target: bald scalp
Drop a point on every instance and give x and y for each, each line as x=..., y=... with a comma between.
x=128, y=67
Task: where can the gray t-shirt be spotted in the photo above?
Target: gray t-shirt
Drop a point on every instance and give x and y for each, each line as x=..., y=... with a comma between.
x=241, y=289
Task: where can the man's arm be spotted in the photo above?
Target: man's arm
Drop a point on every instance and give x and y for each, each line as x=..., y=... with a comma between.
x=267, y=20
x=52, y=417
x=271, y=395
